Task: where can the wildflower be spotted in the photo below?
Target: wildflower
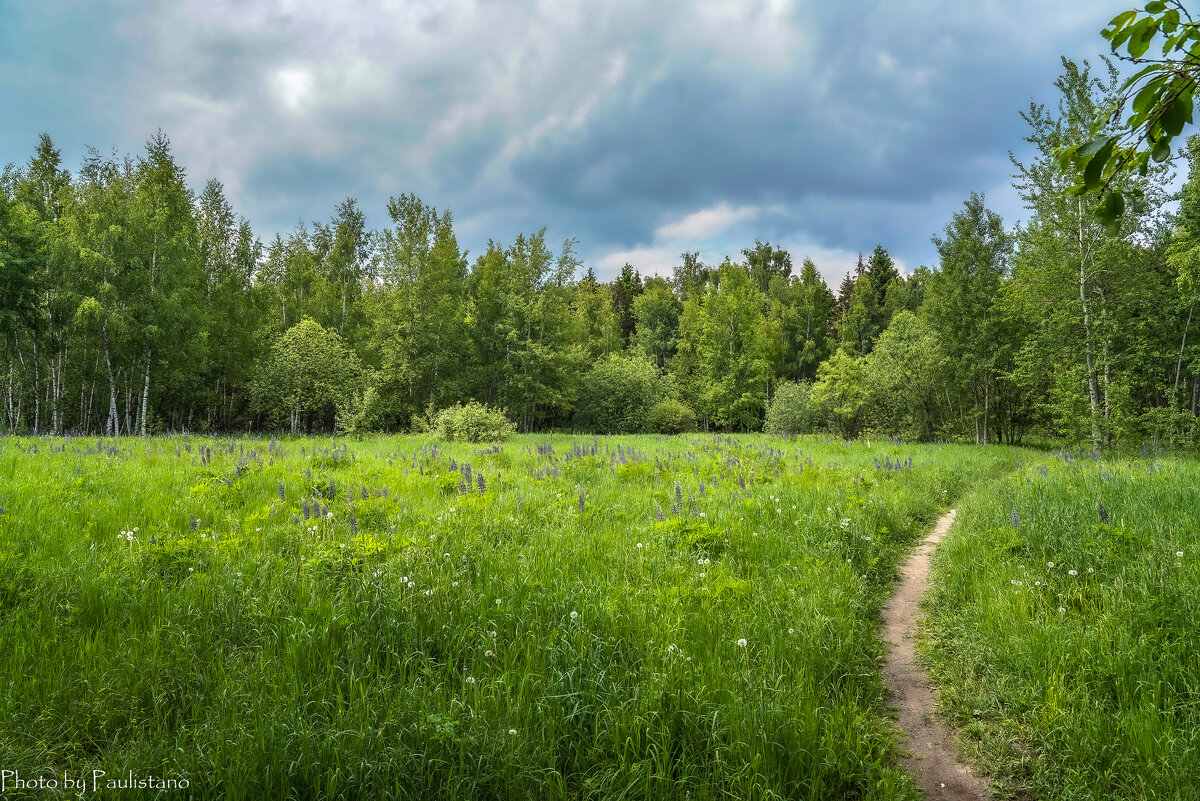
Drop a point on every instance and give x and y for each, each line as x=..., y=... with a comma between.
x=1179, y=554
x=791, y=631
x=1103, y=512
x=574, y=615
x=742, y=642
x=1062, y=609
x=454, y=584
x=470, y=679
x=512, y=732
x=489, y=653
x=702, y=575
x=1050, y=565
x=1072, y=572
x=412, y=585
x=639, y=545
x=1016, y=521
x=1091, y=570
x=497, y=604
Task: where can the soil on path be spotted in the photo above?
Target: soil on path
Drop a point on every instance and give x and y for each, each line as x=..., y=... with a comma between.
x=929, y=740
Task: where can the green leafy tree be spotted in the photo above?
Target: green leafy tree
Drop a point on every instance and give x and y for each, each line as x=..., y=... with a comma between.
x=617, y=395
x=308, y=375
x=960, y=304
x=906, y=376
x=657, y=311
x=840, y=393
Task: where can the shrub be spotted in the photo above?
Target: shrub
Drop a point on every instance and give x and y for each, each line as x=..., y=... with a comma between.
x=791, y=411
x=671, y=417
x=617, y=395
x=473, y=422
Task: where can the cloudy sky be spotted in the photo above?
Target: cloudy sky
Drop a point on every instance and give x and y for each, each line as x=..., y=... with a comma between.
x=642, y=129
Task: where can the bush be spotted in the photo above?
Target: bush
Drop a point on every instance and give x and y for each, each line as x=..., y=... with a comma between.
x=791, y=411
x=671, y=417
x=473, y=422
x=617, y=395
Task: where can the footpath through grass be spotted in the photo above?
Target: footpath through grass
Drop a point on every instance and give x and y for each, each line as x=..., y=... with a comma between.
x=1065, y=624
x=401, y=619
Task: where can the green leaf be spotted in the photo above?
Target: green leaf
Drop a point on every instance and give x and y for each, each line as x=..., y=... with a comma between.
x=1139, y=41
x=1095, y=166
x=1144, y=99
x=1175, y=116
x=1108, y=212
x=1156, y=7
x=1161, y=152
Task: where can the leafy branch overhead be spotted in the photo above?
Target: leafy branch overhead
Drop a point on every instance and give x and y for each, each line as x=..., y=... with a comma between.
x=1163, y=41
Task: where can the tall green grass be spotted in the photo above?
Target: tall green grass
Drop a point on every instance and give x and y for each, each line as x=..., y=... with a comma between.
x=166, y=610
x=1066, y=645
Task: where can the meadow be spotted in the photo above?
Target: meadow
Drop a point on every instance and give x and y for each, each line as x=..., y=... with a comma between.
x=1063, y=627
x=554, y=617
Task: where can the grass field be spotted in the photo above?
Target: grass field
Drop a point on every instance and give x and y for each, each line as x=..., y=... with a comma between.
x=617, y=618
x=1065, y=628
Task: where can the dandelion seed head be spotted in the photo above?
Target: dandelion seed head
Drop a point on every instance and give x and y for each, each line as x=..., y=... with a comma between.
x=574, y=615
x=742, y=642
x=1179, y=554
x=1050, y=565
x=1072, y=572
x=512, y=732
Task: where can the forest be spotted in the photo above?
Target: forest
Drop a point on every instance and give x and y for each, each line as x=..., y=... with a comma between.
x=131, y=303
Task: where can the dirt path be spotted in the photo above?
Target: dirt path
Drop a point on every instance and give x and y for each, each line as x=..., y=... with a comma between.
x=930, y=742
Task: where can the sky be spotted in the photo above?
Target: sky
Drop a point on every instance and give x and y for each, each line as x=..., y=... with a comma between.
x=640, y=129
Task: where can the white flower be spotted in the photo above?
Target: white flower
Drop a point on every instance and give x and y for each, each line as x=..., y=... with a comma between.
x=1050, y=565
x=489, y=653
x=791, y=631
x=512, y=732
x=412, y=584
x=1061, y=609
x=742, y=642
x=1179, y=554
x=497, y=602
x=454, y=584
x=1072, y=572
x=470, y=679
x=445, y=556
x=701, y=575
x=574, y=615
x=1091, y=570
x=639, y=545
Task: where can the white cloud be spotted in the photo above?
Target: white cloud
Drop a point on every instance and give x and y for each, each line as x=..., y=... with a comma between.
x=705, y=224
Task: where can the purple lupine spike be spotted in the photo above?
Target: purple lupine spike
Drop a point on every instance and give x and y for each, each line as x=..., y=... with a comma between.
x=1016, y=521
x=304, y=507
x=353, y=524
x=658, y=512
x=481, y=482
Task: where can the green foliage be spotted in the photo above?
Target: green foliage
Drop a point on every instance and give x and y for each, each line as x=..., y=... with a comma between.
x=906, y=374
x=791, y=411
x=616, y=396
x=473, y=422
x=670, y=416
x=308, y=376
x=1160, y=96
x=841, y=392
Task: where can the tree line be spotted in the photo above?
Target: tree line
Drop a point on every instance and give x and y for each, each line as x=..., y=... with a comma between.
x=132, y=304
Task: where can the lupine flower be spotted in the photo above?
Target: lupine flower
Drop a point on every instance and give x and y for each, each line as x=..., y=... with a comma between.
x=1016, y=521
x=282, y=497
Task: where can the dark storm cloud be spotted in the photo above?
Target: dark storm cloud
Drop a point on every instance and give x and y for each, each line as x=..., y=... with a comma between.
x=643, y=130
